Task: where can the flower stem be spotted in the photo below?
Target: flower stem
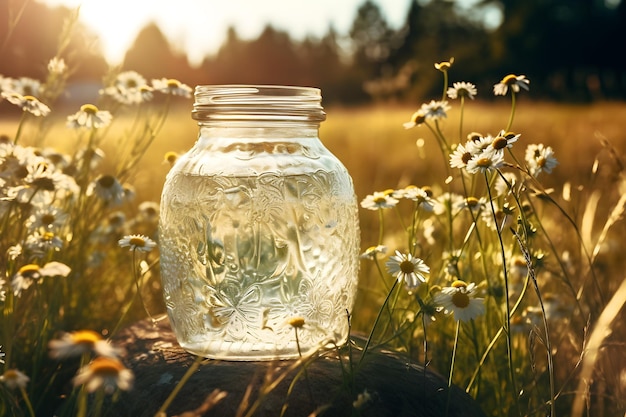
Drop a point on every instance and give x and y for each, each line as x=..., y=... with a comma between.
x=456, y=342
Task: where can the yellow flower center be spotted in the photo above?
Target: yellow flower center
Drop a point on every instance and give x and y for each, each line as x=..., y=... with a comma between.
x=499, y=143
x=483, y=162
x=459, y=284
x=380, y=199
x=296, y=322
x=172, y=83
x=106, y=366
x=106, y=181
x=466, y=157
x=509, y=79
x=48, y=236
x=47, y=219
x=29, y=268
x=89, y=109
x=541, y=162
x=474, y=136
x=407, y=267
x=10, y=374
x=509, y=135
x=460, y=299
x=471, y=201
x=137, y=241
x=30, y=98
x=427, y=190
x=85, y=337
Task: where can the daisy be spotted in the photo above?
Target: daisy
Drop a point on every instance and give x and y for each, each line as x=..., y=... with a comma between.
x=57, y=66
x=47, y=218
x=462, y=89
x=129, y=87
x=373, y=251
x=420, y=196
x=27, y=103
x=379, y=200
x=460, y=299
x=449, y=201
x=90, y=117
x=474, y=204
x=503, y=186
x=41, y=244
x=170, y=158
x=416, y=119
x=435, y=110
x=460, y=157
x=109, y=189
x=28, y=274
x=503, y=140
x=13, y=378
x=171, y=86
x=514, y=82
x=148, y=212
x=445, y=65
x=540, y=158
x=24, y=86
x=78, y=343
x=405, y=266
x=106, y=373
x=137, y=242
x=484, y=162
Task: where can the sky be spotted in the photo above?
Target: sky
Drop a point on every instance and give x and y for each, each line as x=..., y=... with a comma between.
x=198, y=27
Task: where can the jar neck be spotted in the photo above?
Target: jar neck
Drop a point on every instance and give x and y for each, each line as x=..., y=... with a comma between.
x=243, y=106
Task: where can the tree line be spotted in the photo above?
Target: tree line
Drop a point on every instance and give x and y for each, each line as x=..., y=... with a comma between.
x=570, y=49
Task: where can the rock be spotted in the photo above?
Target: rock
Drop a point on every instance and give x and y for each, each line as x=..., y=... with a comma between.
x=384, y=384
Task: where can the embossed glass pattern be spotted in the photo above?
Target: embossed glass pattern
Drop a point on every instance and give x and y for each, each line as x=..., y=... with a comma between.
x=258, y=226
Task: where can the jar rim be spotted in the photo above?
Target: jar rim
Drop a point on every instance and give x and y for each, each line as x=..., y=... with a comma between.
x=251, y=101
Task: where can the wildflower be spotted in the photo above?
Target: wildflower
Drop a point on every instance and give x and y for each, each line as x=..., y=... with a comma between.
x=148, y=211
x=503, y=186
x=444, y=65
x=27, y=103
x=420, y=196
x=30, y=273
x=503, y=140
x=435, y=110
x=170, y=158
x=407, y=267
x=90, y=117
x=486, y=161
x=474, y=204
x=40, y=244
x=460, y=157
x=540, y=158
x=79, y=343
x=449, y=202
x=13, y=378
x=514, y=82
x=296, y=322
x=137, y=242
x=171, y=86
x=460, y=299
x=361, y=400
x=129, y=87
x=47, y=218
x=106, y=373
x=503, y=217
x=23, y=86
x=108, y=188
x=57, y=66
x=416, y=119
x=373, y=251
x=462, y=89
x=379, y=200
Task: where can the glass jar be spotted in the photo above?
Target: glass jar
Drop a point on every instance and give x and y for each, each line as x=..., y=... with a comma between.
x=259, y=233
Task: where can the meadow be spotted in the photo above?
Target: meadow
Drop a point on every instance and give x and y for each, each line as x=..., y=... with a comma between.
x=543, y=341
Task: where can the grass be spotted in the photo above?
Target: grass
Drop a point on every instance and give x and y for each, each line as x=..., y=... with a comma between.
x=551, y=292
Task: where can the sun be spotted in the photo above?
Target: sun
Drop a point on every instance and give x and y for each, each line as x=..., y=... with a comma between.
x=115, y=23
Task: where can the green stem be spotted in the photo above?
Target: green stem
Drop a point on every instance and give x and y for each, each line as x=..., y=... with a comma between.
x=168, y=401
x=20, y=127
x=510, y=123
x=456, y=342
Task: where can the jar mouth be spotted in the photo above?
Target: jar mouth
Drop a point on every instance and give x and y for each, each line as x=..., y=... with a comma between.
x=243, y=102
